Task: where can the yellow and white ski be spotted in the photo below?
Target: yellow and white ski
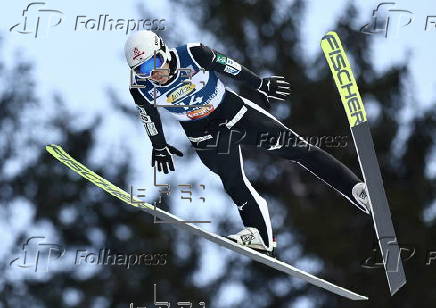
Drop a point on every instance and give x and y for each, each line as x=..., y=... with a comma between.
x=115, y=191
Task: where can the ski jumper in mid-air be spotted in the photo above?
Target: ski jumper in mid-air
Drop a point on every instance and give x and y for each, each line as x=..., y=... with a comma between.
x=217, y=121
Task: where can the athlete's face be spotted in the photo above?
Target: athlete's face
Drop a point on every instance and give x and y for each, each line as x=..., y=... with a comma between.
x=161, y=75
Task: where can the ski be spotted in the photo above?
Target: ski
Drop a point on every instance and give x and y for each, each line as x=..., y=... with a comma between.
x=115, y=191
x=360, y=130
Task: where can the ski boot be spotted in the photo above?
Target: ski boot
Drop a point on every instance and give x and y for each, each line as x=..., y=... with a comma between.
x=250, y=237
x=360, y=193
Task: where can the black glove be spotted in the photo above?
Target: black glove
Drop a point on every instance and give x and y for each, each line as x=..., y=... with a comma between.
x=274, y=87
x=163, y=158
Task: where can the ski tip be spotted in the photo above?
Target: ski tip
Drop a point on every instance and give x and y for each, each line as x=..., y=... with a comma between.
x=330, y=33
x=363, y=298
x=50, y=146
x=395, y=290
x=357, y=297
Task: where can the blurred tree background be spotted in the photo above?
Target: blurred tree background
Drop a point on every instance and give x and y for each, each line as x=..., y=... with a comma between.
x=82, y=216
x=314, y=226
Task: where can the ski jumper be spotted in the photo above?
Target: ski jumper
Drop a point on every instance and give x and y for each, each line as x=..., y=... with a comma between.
x=218, y=121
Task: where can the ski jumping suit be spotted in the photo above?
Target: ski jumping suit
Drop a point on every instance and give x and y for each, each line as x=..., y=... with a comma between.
x=217, y=121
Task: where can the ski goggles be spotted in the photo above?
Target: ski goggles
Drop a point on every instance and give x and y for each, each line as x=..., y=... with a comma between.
x=155, y=62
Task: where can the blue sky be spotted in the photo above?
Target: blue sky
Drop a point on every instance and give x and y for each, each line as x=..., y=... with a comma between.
x=81, y=65
x=55, y=51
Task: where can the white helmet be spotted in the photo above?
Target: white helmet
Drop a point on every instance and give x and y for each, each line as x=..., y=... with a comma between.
x=141, y=46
